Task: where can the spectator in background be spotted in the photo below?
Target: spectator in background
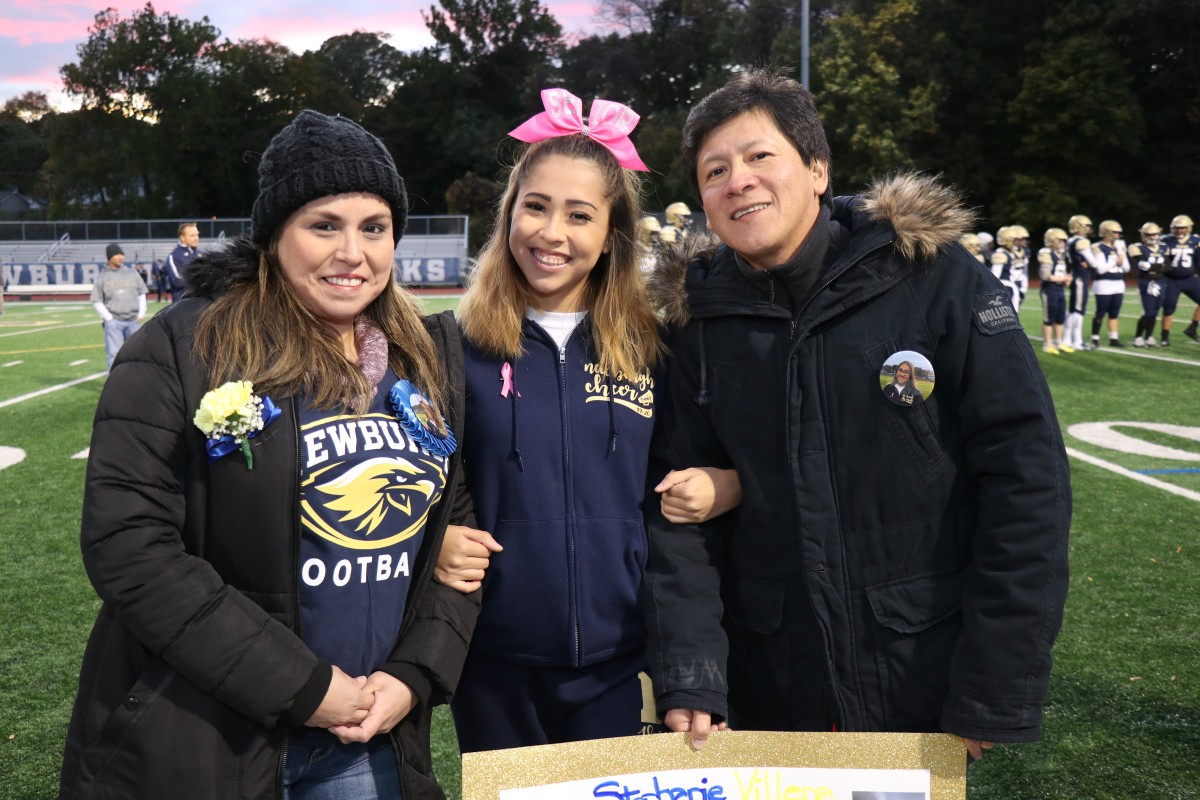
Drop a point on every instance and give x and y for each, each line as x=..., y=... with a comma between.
x=185, y=251
x=119, y=297
x=158, y=271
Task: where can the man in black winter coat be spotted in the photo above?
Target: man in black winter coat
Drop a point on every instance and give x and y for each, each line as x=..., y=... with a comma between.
x=892, y=567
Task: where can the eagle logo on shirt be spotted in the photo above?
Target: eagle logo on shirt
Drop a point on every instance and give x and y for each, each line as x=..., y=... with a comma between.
x=375, y=501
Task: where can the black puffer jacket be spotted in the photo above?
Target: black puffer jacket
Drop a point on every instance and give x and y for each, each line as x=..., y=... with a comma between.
x=936, y=589
x=195, y=671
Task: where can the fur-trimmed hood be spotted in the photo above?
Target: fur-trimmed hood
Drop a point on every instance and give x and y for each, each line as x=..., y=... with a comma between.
x=214, y=271
x=918, y=215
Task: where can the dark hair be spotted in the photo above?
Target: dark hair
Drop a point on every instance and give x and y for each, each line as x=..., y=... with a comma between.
x=783, y=99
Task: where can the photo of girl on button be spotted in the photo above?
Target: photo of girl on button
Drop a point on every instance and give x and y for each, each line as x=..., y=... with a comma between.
x=906, y=378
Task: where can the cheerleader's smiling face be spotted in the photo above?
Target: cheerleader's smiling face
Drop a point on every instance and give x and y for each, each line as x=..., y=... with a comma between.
x=560, y=230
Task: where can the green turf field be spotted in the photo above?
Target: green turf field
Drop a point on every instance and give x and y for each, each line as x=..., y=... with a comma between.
x=1123, y=719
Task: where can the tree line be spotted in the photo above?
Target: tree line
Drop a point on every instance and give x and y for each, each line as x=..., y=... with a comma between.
x=1036, y=110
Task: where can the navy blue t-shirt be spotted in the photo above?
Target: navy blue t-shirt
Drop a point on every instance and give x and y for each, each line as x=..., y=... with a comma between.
x=366, y=491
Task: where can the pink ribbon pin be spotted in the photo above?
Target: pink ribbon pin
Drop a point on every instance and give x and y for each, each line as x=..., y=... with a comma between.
x=607, y=122
x=506, y=386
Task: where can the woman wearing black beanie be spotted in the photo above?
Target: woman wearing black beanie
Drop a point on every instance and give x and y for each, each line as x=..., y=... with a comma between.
x=260, y=530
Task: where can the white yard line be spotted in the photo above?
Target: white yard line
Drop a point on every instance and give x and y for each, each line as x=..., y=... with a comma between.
x=1136, y=352
x=49, y=389
x=44, y=329
x=1134, y=476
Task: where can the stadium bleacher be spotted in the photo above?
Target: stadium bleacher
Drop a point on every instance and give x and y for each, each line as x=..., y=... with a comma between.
x=433, y=252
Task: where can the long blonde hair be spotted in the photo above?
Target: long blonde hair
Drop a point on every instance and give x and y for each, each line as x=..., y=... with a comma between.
x=624, y=326
x=258, y=330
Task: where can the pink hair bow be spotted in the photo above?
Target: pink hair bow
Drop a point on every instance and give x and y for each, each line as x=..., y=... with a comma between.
x=607, y=122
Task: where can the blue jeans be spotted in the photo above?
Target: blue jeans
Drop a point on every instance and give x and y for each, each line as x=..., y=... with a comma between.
x=319, y=767
x=116, y=331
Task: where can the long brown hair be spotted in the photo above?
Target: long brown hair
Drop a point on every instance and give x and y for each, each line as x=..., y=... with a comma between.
x=623, y=323
x=258, y=330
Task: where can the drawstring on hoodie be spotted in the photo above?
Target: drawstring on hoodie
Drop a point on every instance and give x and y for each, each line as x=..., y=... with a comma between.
x=702, y=398
x=508, y=388
x=516, y=433
x=612, y=415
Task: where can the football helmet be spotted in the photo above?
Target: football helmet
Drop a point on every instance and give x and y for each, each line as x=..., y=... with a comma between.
x=1110, y=231
x=667, y=235
x=1005, y=238
x=1150, y=232
x=1079, y=225
x=1182, y=221
x=648, y=229
x=1053, y=236
x=679, y=215
x=971, y=242
x=1018, y=232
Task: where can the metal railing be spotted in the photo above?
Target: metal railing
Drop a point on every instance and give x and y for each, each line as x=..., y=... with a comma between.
x=210, y=229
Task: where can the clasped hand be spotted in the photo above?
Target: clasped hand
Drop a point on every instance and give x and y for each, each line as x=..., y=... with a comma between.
x=355, y=709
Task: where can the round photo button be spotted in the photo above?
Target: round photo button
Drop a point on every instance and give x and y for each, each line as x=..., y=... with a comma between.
x=906, y=378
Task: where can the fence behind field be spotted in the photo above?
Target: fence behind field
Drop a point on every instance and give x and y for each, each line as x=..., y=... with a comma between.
x=64, y=257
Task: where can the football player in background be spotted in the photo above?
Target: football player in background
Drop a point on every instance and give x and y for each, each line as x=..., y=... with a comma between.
x=987, y=245
x=1109, y=287
x=648, y=231
x=1024, y=253
x=1183, y=248
x=1079, y=256
x=1006, y=261
x=679, y=217
x=1055, y=275
x=971, y=242
x=1149, y=257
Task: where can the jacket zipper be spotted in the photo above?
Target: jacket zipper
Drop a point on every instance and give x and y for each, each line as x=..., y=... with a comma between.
x=295, y=570
x=569, y=489
x=793, y=348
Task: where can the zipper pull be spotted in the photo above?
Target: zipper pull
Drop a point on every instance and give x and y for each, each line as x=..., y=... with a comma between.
x=562, y=354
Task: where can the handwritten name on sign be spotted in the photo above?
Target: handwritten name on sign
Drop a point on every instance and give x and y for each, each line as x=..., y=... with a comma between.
x=737, y=784
x=736, y=765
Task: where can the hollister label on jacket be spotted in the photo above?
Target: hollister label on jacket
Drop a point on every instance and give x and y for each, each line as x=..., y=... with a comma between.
x=994, y=313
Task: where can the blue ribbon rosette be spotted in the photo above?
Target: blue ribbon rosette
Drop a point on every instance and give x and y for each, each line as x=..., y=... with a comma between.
x=419, y=419
x=224, y=445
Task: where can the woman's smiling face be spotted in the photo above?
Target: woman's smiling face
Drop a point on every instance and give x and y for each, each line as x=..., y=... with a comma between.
x=336, y=253
x=559, y=230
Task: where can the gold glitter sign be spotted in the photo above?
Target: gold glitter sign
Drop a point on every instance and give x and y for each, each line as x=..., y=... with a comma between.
x=735, y=765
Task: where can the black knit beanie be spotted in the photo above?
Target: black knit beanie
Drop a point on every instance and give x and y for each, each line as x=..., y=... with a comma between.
x=317, y=156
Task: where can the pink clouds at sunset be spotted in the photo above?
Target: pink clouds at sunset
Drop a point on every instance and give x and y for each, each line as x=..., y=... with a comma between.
x=37, y=37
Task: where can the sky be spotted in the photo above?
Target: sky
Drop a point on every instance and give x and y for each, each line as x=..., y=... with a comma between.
x=37, y=37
